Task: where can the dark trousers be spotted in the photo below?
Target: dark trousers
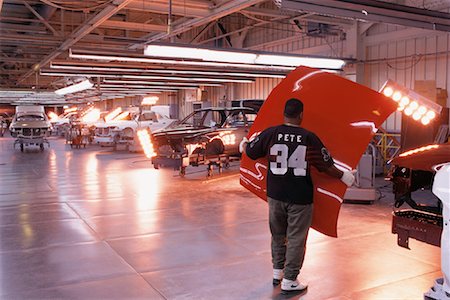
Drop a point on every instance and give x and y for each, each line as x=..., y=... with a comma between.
x=289, y=225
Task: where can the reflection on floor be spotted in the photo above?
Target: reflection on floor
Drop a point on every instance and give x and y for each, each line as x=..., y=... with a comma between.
x=93, y=224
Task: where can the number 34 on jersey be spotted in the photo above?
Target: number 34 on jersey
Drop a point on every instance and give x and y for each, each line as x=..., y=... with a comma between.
x=296, y=161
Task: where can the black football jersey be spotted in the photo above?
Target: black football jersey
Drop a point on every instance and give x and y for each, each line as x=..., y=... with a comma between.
x=291, y=151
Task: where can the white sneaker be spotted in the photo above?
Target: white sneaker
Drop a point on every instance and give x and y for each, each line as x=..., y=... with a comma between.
x=292, y=285
x=277, y=276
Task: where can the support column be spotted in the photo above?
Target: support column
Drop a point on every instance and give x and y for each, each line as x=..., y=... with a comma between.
x=355, y=48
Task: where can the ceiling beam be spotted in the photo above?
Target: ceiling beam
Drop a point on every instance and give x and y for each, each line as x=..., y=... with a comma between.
x=22, y=28
x=133, y=26
x=43, y=21
x=216, y=13
x=241, y=29
x=375, y=11
x=181, y=8
x=80, y=32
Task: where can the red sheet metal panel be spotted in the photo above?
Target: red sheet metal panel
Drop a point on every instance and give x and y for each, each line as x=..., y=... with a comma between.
x=342, y=113
x=424, y=158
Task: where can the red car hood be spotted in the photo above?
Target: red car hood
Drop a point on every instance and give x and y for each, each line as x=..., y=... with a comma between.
x=342, y=113
x=424, y=158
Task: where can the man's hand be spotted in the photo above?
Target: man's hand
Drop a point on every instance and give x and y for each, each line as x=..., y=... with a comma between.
x=347, y=177
x=243, y=144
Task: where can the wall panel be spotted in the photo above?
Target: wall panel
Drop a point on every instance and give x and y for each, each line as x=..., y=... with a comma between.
x=423, y=57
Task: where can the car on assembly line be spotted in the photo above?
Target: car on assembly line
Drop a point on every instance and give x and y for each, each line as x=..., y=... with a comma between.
x=123, y=128
x=30, y=126
x=203, y=134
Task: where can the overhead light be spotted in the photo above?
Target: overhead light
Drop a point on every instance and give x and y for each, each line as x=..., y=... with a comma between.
x=122, y=90
x=134, y=86
x=243, y=57
x=115, y=57
x=150, y=100
x=113, y=114
x=160, y=83
x=190, y=79
x=412, y=104
x=92, y=115
x=165, y=71
x=81, y=86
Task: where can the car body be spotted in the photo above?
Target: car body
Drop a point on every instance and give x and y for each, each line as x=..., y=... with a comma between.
x=30, y=126
x=62, y=124
x=204, y=133
x=124, y=130
x=3, y=126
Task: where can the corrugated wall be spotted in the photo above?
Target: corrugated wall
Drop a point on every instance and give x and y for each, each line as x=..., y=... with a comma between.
x=405, y=60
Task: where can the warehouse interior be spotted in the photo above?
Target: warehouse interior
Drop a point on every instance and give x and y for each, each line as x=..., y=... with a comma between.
x=131, y=186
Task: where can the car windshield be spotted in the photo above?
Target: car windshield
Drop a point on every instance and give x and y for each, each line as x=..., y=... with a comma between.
x=240, y=118
x=203, y=118
x=30, y=118
x=149, y=116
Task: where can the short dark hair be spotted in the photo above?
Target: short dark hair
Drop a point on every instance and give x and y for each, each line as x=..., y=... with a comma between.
x=293, y=108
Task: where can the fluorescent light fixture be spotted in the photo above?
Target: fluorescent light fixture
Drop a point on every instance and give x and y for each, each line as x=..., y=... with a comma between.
x=165, y=71
x=412, y=104
x=243, y=57
x=81, y=86
x=161, y=83
x=134, y=86
x=188, y=79
x=122, y=90
x=115, y=57
x=191, y=79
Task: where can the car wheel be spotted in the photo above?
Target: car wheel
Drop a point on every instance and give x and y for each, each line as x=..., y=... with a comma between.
x=128, y=133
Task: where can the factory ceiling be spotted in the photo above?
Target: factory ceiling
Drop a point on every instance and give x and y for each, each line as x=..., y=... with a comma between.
x=37, y=37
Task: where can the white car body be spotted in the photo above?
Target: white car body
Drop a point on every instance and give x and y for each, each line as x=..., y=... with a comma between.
x=123, y=131
x=30, y=125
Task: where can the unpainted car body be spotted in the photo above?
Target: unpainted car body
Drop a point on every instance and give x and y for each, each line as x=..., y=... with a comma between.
x=202, y=134
x=123, y=131
x=30, y=126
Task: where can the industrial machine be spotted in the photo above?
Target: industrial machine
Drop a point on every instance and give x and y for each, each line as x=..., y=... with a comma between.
x=420, y=168
x=363, y=190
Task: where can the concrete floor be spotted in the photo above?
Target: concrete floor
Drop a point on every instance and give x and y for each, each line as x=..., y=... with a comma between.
x=93, y=224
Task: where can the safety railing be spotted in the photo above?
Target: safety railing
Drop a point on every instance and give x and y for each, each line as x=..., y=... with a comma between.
x=388, y=146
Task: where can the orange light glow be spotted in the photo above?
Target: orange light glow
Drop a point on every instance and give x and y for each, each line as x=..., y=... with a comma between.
x=72, y=109
x=417, y=150
x=53, y=117
x=150, y=100
x=122, y=116
x=92, y=116
x=146, y=143
x=113, y=114
x=401, y=107
x=229, y=139
x=388, y=91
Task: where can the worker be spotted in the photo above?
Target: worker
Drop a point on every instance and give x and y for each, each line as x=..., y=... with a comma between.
x=291, y=151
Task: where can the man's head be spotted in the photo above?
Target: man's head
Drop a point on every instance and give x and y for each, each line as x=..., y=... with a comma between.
x=293, y=111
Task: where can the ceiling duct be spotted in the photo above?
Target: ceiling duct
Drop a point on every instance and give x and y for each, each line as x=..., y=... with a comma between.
x=374, y=11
